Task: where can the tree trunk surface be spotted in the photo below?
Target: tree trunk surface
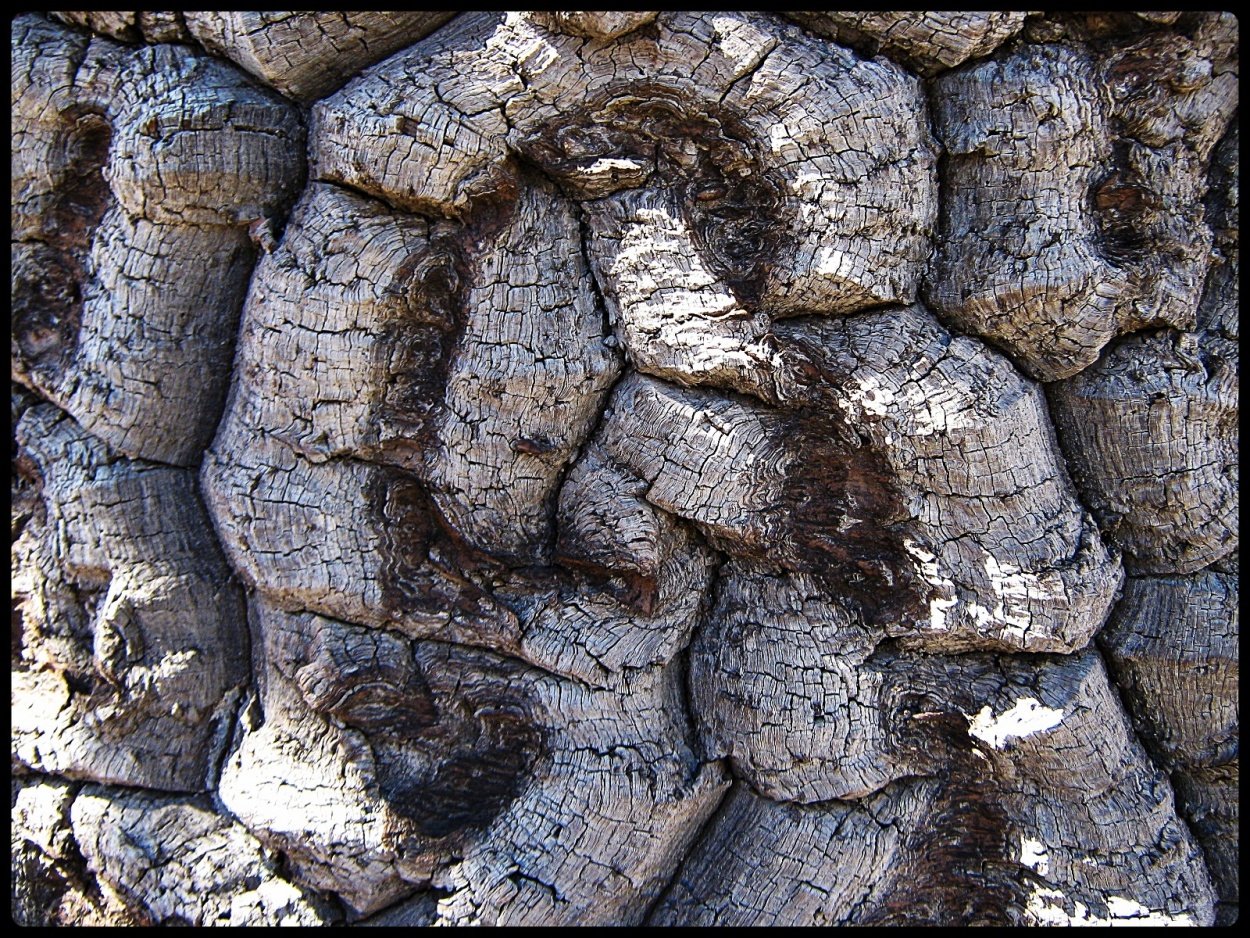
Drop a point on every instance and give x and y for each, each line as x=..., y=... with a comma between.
x=624, y=468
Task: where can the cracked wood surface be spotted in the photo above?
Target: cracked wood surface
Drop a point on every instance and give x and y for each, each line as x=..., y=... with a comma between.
x=615, y=538
x=128, y=622
x=136, y=174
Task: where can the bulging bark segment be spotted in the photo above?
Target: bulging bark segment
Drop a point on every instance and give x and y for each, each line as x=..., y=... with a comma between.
x=383, y=765
x=136, y=176
x=308, y=55
x=1035, y=805
x=430, y=130
x=1160, y=472
x=181, y=863
x=604, y=26
x=130, y=635
x=1172, y=646
x=1074, y=192
x=1151, y=431
x=622, y=540
x=1006, y=554
x=130, y=25
x=928, y=42
x=1028, y=131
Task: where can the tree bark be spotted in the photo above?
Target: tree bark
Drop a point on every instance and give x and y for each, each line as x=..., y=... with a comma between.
x=623, y=468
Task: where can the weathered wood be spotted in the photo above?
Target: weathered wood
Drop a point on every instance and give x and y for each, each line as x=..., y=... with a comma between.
x=1074, y=190
x=1035, y=805
x=1172, y=646
x=623, y=542
x=1151, y=436
x=309, y=55
x=430, y=130
x=50, y=883
x=130, y=634
x=130, y=26
x=136, y=175
x=929, y=42
x=182, y=863
x=605, y=26
x=383, y=765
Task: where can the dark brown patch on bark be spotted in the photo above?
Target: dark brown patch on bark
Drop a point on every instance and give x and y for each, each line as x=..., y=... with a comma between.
x=730, y=199
x=959, y=868
x=431, y=289
x=46, y=311
x=842, y=500
x=412, y=578
x=845, y=517
x=48, y=275
x=473, y=758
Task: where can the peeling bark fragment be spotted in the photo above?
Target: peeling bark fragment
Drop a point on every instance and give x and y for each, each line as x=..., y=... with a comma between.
x=430, y=130
x=136, y=174
x=184, y=864
x=526, y=798
x=926, y=41
x=130, y=626
x=1040, y=808
x=307, y=56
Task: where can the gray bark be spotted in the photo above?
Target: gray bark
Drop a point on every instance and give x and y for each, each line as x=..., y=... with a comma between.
x=622, y=468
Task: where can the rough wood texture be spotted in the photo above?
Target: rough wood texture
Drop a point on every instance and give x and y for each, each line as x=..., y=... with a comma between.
x=309, y=55
x=50, y=882
x=616, y=537
x=128, y=628
x=1016, y=794
x=136, y=176
x=130, y=25
x=839, y=221
x=178, y=862
x=605, y=25
x=1173, y=648
x=382, y=765
x=1074, y=188
x=929, y=42
x=1151, y=433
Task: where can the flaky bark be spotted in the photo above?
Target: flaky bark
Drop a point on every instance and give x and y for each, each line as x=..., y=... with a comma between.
x=625, y=468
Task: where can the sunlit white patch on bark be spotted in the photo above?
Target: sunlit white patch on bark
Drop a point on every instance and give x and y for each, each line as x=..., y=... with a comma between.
x=1027, y=717
x=1033, y=855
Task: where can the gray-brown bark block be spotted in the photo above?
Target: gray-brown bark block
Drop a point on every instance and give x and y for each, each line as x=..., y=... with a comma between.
x=1034, y=805
x=927, y=41
x=382, y=765
x=308, y=55
x=182, y=863
x=130, y=633
x=136, y=176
